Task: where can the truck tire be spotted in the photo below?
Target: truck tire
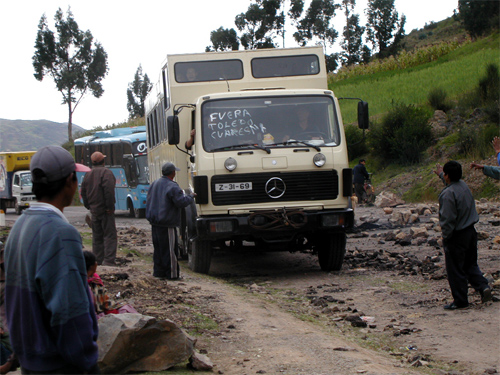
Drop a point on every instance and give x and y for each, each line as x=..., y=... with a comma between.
x=331, y=251
x=184, y=244
x=18, y=209
x=200, y=256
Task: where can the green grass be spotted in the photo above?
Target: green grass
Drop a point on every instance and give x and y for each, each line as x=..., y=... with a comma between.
x=456, y=72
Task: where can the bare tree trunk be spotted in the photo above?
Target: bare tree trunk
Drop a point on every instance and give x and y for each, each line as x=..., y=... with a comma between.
x=70, y=123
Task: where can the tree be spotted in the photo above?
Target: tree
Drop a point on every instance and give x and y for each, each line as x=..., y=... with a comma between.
x=260, y=24
x=478, y=17
x=316, y=23
x=223, y=40
x=76, y=64
x=137, y=92
x=382, y=23
x=352, y=43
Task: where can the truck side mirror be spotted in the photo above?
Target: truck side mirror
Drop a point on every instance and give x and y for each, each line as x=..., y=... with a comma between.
x=173, y=130
x=363, y=116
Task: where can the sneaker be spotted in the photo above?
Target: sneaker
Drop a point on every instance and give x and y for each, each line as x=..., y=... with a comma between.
x=486, y=295
x=453, y=306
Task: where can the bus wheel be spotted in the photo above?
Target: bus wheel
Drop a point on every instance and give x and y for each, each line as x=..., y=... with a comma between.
x=131, y=210
x=331, y=251
x=200, y=256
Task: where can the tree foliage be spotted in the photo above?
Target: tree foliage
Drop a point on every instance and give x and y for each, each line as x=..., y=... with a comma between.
x=317, y=23
x=478, y=17
x=383, y=24
x=136, y=93
x=260, y=24
x=76, y=64
x=352, y=43
x=223, y=40
x=402, y=136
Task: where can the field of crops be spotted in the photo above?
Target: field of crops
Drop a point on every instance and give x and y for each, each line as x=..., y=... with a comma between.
x=456, y=72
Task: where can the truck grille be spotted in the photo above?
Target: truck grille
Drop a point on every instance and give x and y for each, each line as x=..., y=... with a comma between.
x=299, y=186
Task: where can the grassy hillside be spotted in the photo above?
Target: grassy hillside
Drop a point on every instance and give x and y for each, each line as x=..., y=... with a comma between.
x=456, y=72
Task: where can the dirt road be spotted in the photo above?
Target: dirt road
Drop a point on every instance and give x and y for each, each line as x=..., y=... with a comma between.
x=278, y=313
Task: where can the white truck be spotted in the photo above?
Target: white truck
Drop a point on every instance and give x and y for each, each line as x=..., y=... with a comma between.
x=15, y=180
x=269, y=161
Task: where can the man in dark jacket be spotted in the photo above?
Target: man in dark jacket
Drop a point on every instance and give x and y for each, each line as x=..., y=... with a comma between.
x=163, y=211
x=98, y=195
x=360, y=174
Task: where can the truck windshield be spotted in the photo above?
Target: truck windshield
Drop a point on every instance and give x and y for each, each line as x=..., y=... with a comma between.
x=26, y=180
x=273, y=121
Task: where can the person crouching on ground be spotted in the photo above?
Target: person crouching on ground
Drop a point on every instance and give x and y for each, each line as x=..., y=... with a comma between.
x=103, y=302
x=163, y=211
x=457, y=216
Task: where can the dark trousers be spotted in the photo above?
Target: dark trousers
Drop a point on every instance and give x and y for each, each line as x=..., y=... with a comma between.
x=104, y=238
x=359, y=190
x=165, y=263
x=461, y=264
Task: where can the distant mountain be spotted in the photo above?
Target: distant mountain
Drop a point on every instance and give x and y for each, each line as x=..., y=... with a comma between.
x=26, y=135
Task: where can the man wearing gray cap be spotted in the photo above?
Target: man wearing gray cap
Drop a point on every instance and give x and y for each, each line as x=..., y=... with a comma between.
x=50, y=311
x=163, y=211
x=98, y=195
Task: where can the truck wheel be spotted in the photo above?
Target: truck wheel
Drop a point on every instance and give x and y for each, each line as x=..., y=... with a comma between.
x=331, y=251
x=184, y=245
x=18, y=209
x=200, y=256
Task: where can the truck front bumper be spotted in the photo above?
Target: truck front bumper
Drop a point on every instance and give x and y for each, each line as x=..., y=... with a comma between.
x=275, y=225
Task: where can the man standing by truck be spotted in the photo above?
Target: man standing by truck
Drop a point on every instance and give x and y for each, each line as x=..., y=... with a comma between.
x=360, y=175
x=163, y=211
x=98, y=195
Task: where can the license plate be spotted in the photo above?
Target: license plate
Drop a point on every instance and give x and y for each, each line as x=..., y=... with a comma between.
x=237, y=186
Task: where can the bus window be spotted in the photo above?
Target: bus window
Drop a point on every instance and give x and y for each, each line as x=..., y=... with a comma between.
x=202, y=71
x=285, y=66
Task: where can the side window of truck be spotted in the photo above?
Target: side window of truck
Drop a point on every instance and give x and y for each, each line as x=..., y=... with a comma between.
x=285, y=66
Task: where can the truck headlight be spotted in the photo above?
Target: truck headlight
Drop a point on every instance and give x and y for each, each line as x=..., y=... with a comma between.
x=230, y=164
x=226, y=226
x=332, y=220
x=319, y=160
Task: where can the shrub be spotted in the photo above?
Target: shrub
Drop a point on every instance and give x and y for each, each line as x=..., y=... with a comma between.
x=438, y=100
x=403, y=135
x=356, y=145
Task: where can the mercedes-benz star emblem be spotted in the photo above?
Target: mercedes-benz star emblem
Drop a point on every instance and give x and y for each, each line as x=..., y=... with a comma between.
x=275, y=187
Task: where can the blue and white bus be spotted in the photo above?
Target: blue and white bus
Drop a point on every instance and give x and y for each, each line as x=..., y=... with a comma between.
x=126, y=156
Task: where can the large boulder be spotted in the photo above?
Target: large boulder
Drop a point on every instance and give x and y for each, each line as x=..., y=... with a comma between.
x=139, y=343
x=388, y=199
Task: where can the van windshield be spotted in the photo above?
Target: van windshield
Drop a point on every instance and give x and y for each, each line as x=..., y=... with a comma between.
x=274, y=121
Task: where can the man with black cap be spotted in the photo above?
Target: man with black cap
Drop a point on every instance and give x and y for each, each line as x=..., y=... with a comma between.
x=98, y=195
x=50, y=313
x=163, y=211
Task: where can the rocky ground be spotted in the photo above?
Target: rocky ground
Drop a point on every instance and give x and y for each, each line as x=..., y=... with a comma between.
x=278, y=313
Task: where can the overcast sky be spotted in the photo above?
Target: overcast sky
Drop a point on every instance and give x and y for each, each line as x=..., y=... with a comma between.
x=132, y=33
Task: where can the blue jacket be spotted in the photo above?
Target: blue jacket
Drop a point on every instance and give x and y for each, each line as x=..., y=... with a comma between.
x=164, y=201
x=360, y=174
x=50, y=312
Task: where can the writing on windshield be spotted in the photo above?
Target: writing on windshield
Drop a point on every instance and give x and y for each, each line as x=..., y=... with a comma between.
x=269, y=121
